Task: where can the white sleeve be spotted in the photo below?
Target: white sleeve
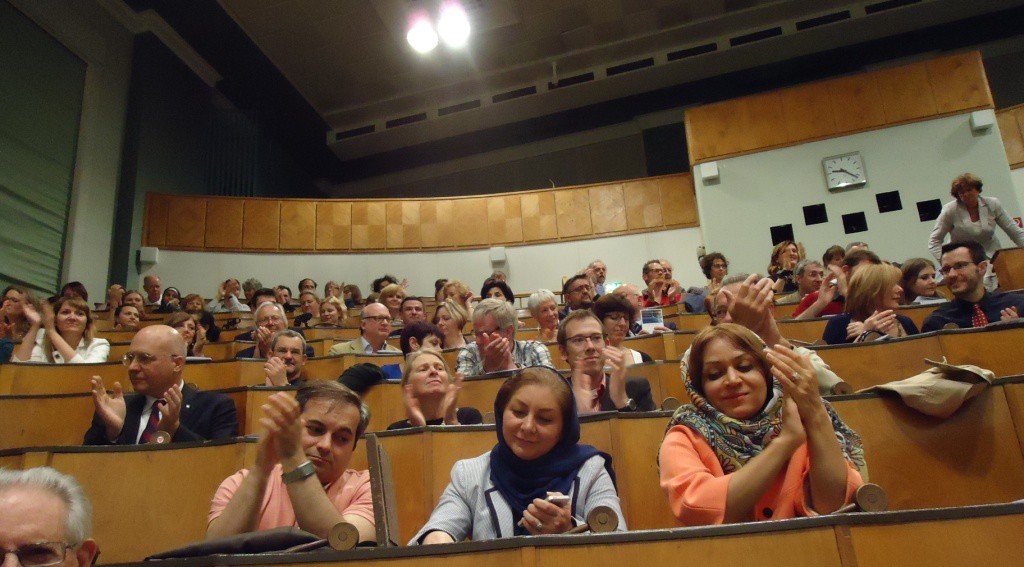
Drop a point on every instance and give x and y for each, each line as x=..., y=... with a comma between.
x=943, y=225
x=1004, y=221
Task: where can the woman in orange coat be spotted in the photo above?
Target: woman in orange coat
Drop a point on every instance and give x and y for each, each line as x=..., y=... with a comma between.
x=750, y=447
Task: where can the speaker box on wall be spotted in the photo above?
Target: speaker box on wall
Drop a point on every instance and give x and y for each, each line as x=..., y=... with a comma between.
x=889, y=202
x=815, y=214
x=855, y=222
x=781, y=233
x=929, y=210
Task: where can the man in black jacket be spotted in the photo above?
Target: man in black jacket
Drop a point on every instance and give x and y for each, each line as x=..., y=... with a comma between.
x=161, y=401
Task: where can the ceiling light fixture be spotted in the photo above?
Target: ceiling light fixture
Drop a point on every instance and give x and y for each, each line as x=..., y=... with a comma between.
x=453, y=25
x=422, y=36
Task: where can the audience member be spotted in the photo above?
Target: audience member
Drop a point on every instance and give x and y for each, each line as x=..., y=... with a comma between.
x=544, y=309
x=283, y=295
x=270, y=318
x=459, y=293
x=829, y=299
x=392, y=297
x=333, y=289
x=151, y=285
x=331, y=312
x=115, y=296
x=227, y=299
x=497, y=289
x=287, y=359
x=431, y=392
x=382, y=282
x=250, y=285
x=599, y=274
x=170, y=301
x=657, y=292
x=582, y=344
x=833, y=256
x=578, y=293
x=62, y=334
x=451, y=319
x=162, y=401
x=505, y=491
x=498, y=275
x=785, y=257
x=918, y=282
x=353, y=296
x=127, y=318
x=46, y=515
x=439, y=296
x=809, y=274
x=75, y=289
x=963, y=268
x=133, y=297
x=374, y=327
x=672, y=286
x=856, y=245
x=191, y=332
x=307, y=284
x=194, y=304
x=362, y=376
x=632, y=294
x=309, y=305
x=715, y=268
x=412, y=310
x=13, y=323
x=616, y=313
x=420, y=335
x=870, y=310
x=496, y=347
x=750, y=447
x=301, y=476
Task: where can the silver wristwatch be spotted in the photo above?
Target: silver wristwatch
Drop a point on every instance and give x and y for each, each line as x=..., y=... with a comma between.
x=301, y=472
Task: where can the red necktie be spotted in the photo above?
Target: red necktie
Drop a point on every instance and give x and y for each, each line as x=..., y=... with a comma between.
x=150, y=430
x=979, y=319
x=598, y=394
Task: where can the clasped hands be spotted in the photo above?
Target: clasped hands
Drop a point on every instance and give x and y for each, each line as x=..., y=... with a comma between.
x=448, y=408
x=283, y=438
x=495, y=352
x=112, y=409
x=803, y=409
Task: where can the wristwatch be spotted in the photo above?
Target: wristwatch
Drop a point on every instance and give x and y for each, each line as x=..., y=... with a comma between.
x=630, y=405
x=301, y=472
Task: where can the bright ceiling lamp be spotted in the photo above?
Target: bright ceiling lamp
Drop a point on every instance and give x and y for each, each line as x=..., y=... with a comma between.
x=422, y=36
x=453, y=25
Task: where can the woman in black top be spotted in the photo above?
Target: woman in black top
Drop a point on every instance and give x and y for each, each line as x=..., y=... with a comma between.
x=431, y=393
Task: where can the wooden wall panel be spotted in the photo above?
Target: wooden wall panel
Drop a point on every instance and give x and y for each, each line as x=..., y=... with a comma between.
x=225, y=227
x=187, y=216
x=369, y=225
x=298, y=225
x=572, y=209
x=261, y=224
x=438, y=222
x=505, y=219
x=333, y=225
x=470, y=219
x=643, y=204
x=1011, y=128
x=607, y=209
x=156, y=219
x=403, y=228
x=539, y=218
x=865, y=101
x=679, y=202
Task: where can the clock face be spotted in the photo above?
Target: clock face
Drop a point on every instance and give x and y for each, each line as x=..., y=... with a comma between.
x=844, y=171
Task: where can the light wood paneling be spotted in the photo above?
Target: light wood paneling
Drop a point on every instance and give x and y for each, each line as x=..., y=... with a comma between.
x=643, y=204
x=225, y=227
x=678, y=203
x=573, y=211
x=1011, y=127
x=261, y=224
x=298, y=225
x=369, y=225
x=186, y=222
x=156, y=219
x=865, y=101
x=607, y=209
x=403, y=224
x=437, y=223
x=471, y=219
x=333, y=225
x=539, y=219
x=505, y=219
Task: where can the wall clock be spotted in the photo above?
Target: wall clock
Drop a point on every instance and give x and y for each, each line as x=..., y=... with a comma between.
x=846, y=170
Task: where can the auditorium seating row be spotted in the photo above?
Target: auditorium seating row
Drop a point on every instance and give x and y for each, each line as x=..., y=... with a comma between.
x=974, y=457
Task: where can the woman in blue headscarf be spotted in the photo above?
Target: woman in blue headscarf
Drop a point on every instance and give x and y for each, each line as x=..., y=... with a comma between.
x=538, y=479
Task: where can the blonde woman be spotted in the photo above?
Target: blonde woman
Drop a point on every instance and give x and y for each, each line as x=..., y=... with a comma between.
x=62, y=334
x=391, y=296
x=451, y=318
x=870, y=311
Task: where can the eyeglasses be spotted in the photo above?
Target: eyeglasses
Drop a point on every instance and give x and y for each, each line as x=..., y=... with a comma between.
x=582, y=340
x=616, y=316
x=959, y=266
x=584, y=287
x=144, y=358
x=377, y=318
x=40, y=554
x=271, y=319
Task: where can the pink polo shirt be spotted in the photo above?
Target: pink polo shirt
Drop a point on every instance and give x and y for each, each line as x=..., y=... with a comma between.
x=350, y=495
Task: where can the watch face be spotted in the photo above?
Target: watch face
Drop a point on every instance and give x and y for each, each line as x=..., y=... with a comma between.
x=844, y=171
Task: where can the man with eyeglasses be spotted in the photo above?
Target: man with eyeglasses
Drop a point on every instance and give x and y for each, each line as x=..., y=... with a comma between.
x=598, y=272
x=270, y=318
x=809, y=275
x=658, y=292
x=287, y=359
x=578, y=293
x=161, y=402
x=374, y=328
x=963, y=267
x=45, y=520
x=496, y=347
x=582, y=343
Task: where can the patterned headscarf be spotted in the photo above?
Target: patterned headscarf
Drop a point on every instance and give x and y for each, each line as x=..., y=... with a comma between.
x=737, y=441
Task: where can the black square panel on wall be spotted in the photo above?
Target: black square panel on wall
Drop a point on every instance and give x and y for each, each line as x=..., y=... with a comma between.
x=855, y=222
x=889, y=201
x=815, y=214
x=781, y=233
x=929, y=210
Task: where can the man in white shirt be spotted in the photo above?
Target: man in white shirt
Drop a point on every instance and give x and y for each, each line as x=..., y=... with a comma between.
x=374, y=328
x=151, y=284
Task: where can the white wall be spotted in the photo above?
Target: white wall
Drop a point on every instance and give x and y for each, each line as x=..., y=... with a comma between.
x=919, y=160
x=528, y=268
x=91, y=33
x=1017, y=175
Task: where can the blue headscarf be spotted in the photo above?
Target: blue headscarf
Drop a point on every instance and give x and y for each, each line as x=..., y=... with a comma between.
x=519, y=481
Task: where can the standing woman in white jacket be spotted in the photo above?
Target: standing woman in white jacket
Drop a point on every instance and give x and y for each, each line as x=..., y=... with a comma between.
x=973, y=217
x=62, y=334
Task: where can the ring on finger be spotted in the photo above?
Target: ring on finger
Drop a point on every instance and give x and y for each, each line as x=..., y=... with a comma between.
x=540, y=525
x=795, y=376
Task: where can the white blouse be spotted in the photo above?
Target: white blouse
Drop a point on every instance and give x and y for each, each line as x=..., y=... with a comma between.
x=955, y=221
x=95, y=350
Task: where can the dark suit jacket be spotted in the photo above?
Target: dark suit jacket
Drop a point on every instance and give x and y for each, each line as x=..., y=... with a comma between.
x=204, y=416
x=251, y=352
x=637, y=388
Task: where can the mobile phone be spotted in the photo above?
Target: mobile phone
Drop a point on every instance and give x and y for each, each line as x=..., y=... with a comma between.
x=558, y=499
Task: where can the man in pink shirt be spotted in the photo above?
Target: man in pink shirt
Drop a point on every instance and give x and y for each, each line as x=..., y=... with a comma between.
x=301, y=476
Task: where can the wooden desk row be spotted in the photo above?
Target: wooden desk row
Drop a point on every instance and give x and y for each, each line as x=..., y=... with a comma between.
x=974, y=457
